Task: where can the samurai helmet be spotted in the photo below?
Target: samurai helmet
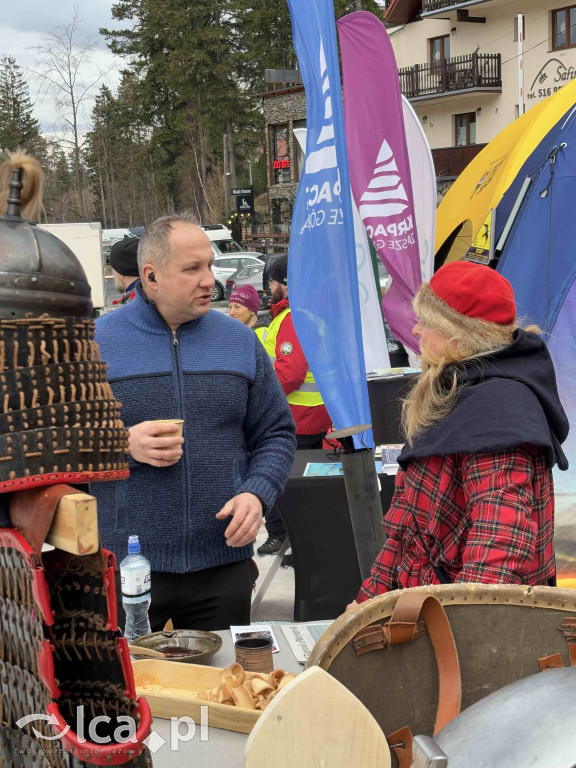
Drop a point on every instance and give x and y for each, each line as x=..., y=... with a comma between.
x=59, y=420
x=39, y=274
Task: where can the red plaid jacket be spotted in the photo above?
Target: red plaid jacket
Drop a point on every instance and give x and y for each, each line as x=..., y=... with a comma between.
x=485, y=517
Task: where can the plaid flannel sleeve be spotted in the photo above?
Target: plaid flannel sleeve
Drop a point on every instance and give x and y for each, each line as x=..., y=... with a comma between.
x=501, y=541
x=381, y=577
x=384, y=571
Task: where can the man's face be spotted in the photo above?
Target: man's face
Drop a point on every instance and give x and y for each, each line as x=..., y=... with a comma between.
x=277, y=291
x=185, y=283
x=118, y=281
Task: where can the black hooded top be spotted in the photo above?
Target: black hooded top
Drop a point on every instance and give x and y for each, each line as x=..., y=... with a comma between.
x=506, y=399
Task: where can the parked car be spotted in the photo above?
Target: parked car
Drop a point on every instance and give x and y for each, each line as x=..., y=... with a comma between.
x=228, y=255
x=251, y=275
x=226, y=266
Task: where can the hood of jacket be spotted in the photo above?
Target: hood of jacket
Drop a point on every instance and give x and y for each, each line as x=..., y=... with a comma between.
x=506, y=399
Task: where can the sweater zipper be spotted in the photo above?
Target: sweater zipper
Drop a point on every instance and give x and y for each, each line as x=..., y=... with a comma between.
x=181, y=411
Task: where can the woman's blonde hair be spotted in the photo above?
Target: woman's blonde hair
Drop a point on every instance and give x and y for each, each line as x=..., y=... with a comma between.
x=470, y=338
x=32, y=184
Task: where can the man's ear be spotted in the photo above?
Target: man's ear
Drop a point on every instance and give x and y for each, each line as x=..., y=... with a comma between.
x=148, y=275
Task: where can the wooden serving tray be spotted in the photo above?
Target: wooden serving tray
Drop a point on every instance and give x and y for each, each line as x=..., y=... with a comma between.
x=170, y=689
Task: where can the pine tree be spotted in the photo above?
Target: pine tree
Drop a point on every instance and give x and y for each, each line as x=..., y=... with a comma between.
x=182, y=53
x=196, y=69
x=263, y=35
x=18, y=127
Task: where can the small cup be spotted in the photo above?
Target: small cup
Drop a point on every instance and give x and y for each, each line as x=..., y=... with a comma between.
x=254, y=654
x=179, y=422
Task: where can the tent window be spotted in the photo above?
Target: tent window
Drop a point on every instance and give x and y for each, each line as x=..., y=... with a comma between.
x=465, y=128
x=564, y=28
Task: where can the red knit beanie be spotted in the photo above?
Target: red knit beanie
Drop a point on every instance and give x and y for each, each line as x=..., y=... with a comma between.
x=476, y=291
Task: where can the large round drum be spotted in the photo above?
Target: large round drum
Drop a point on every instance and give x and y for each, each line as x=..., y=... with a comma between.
x=527, y=723
x=501, y=634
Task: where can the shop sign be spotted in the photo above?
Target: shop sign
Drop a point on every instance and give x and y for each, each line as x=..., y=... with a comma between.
x=553, y=75
x=245, y=204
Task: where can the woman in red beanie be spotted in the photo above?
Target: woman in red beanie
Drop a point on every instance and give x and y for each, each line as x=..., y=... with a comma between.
x=474, y=497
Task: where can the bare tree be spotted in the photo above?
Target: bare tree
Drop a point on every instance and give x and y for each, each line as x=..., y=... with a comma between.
x=62, y=64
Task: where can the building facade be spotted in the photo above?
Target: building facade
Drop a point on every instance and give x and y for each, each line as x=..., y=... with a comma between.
x=284, y=111
x=462, y=69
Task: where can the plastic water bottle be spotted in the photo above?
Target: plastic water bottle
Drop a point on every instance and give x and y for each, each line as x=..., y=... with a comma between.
x=136, y=584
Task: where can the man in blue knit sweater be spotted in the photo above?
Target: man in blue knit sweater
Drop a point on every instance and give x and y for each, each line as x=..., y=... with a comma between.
x=195, y=501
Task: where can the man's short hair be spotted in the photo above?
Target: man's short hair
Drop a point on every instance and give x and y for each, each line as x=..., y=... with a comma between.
x=154, y=247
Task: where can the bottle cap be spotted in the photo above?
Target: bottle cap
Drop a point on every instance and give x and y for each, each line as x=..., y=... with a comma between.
x=133, y=545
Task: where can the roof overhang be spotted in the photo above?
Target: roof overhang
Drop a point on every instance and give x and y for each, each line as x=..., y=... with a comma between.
x=402, y=11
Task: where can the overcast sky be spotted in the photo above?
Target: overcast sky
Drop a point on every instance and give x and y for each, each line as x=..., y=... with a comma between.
x=24, y=24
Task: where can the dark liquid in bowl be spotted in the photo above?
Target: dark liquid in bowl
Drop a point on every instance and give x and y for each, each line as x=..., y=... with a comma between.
x=178, y=650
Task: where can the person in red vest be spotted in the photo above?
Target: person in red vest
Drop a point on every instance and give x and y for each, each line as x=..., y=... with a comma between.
x=308, y=410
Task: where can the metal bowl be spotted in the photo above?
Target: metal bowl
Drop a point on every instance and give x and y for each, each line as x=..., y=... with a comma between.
x=187, y=645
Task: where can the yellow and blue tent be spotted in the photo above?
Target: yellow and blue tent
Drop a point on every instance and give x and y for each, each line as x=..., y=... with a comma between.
x=482, y=185
x=531, y=167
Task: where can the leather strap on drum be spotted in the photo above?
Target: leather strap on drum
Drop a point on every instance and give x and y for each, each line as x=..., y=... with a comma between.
x=569, y=629
x=404, y=626
x=400, y=742
x=377, y=636
x=555, y=661
x=32, y=512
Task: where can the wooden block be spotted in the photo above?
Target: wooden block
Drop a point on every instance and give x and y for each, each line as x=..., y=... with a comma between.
x=75, y=525
x=316, y=721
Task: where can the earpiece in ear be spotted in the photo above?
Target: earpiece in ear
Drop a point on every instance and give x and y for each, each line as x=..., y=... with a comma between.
x=152, y=277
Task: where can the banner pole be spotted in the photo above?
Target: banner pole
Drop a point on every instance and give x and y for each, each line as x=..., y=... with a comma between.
x=363, y=494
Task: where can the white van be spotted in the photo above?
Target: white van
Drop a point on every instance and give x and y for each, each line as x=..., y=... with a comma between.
x=115, y=234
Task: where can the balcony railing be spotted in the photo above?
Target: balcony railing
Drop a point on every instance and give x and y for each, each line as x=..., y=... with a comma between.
x=449, y=162
x=461, y=73
x=438, y=5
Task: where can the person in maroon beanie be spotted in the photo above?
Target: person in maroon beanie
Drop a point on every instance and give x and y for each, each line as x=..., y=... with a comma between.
x=244, y=304
x=474, y=496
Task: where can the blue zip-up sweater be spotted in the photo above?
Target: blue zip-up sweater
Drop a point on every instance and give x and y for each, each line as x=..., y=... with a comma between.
x=239, y=434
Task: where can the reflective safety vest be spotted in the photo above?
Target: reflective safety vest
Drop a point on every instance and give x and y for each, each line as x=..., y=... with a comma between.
x=307, y=394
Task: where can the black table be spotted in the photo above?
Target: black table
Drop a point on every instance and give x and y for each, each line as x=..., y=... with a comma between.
x=317, y=519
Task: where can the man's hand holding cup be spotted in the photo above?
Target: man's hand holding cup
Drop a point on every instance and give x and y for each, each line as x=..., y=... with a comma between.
x=158, y=442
